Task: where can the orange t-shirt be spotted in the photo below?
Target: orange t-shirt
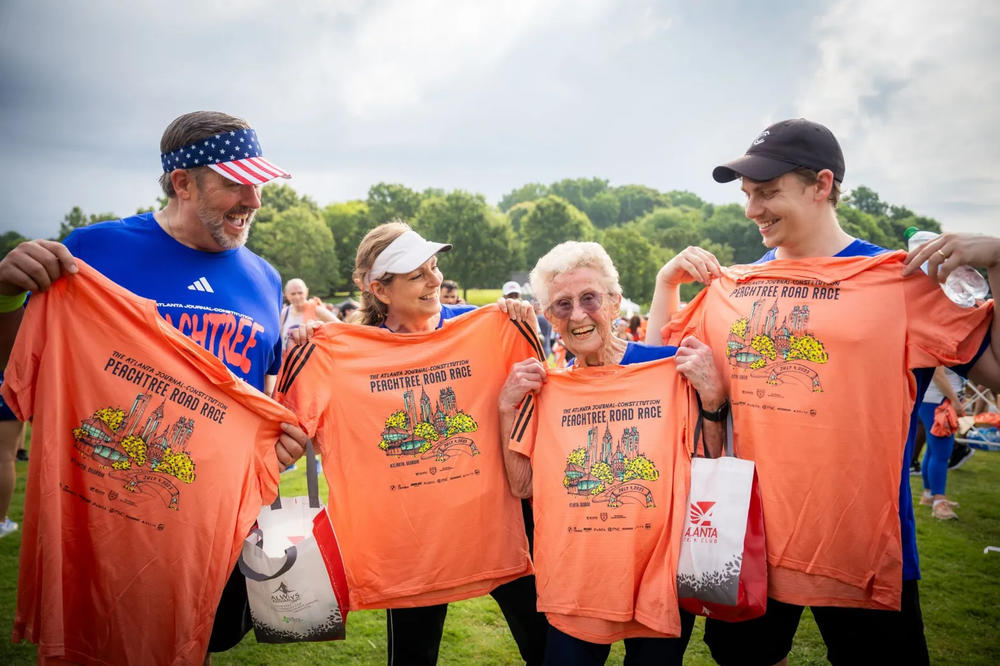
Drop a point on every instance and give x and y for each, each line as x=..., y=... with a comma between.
x=817, y=354
x=407, y=425
x=611, y=465
x=150, y=464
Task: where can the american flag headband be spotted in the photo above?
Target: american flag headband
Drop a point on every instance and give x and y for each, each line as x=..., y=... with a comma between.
x=235, y=154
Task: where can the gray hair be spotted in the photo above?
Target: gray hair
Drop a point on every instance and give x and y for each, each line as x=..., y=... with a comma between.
x=568, y=256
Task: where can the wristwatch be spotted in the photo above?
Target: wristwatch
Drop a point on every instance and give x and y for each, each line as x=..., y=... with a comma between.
x=717, y=415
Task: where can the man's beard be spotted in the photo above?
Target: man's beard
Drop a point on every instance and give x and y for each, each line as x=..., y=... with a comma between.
x=216, y=225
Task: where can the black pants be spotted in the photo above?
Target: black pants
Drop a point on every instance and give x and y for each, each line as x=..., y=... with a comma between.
x=853, y=636
x=565, y=650
x=414, y=634
x=232, y=617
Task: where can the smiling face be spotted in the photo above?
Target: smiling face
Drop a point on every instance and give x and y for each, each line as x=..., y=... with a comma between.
x=782, y=209
x=225, y=208
x=414, y=296
x=581, y=294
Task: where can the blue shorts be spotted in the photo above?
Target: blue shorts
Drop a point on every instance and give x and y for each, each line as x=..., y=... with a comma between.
x=5, y=413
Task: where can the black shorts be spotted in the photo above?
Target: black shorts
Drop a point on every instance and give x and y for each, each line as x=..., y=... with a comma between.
x=852, y=635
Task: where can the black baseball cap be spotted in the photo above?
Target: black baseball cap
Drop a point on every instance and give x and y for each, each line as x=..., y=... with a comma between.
x=784, y=146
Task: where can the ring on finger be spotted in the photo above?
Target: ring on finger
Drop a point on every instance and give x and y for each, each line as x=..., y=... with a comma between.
x=943, y=255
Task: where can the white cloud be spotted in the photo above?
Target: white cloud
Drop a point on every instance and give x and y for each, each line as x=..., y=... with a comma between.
x=402, y=51
x=911, y=91
x=486, y=96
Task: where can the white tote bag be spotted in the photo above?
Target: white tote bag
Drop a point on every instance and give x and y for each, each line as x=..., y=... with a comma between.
x=722, y=571
x=295, y=574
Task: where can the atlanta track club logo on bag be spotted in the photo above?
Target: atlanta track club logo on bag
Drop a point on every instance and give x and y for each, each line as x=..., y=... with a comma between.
x=700, y=527
x=285, y=598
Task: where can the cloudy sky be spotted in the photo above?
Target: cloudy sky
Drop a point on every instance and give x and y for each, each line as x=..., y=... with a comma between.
x=486, y=96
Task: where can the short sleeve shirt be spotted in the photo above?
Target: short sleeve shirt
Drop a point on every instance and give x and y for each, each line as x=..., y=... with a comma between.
x=809, y=347
x=228, y=302
x=609, y=449
x=408, y=428
x=150, y=462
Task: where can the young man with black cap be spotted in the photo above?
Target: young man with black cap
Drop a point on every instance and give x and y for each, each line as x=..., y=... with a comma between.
x=191, y=259
x=791, y=175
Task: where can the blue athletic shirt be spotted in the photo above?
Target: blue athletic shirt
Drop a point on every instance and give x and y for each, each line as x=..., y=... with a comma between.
x=908, y=527
x=639, y=352
x=452, y=311
x=447, y=312
x=228, y=302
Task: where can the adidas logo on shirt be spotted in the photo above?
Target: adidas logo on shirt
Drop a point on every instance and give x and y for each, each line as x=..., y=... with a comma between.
x=201, y=284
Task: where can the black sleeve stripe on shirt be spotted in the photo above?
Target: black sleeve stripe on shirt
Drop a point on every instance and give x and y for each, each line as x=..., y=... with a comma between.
x=529, y=334
x=523, y=418
x=288, y=364
x=528, y=399
x=295, y=365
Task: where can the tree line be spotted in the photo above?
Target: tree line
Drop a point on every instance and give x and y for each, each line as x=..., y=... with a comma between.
x=641, y=228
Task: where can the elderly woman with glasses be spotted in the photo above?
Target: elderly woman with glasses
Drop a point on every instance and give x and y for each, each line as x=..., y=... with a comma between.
x=577, y=286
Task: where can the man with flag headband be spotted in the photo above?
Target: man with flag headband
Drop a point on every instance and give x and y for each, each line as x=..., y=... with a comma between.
x=190, y=257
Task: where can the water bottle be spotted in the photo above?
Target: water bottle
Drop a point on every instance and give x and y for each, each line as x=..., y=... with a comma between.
x=965, y=285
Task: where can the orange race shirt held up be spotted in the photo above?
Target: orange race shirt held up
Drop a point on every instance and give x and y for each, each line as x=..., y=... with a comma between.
x=408, y=429
x=151, y=464
x=817, y=354
x=611, y=466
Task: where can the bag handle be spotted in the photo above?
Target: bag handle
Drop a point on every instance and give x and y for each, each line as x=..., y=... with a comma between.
x=312, y=480
x=291, y=554
x=727, y=446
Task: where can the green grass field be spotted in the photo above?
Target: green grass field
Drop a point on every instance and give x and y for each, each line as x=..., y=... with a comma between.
x=960, y=595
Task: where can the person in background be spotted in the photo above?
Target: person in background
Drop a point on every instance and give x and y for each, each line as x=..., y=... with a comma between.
x=449, y=293
x=636, y=334
x=946, y=385
x=621, y=330
x=11, y=441
x=511, y=289
x=544, y=328
x=300, y=309
x=346, y=310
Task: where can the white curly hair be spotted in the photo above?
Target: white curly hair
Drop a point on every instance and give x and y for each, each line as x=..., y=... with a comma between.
x=570, y=255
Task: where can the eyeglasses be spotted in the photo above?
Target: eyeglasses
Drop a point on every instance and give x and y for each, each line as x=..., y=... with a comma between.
x=590, y=302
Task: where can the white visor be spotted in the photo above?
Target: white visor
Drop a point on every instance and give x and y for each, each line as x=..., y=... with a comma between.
x=403, y=255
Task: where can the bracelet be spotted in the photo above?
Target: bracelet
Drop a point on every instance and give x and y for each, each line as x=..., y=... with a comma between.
x=12, y=302
x=717, y=415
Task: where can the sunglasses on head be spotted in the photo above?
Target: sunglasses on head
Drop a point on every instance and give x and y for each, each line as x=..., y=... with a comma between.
x=590, y=302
